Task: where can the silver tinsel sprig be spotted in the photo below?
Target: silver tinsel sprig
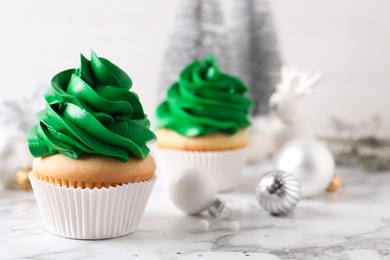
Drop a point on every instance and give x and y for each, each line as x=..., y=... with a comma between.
x=19, y=113
x=365, y=144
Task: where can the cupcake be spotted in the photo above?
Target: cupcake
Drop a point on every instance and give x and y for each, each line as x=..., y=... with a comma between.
x=92, y=172
x=204, y=122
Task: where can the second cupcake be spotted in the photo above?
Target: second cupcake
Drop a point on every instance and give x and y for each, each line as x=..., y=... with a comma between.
x=203, y=122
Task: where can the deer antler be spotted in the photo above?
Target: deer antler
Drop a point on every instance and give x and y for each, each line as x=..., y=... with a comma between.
x=288, y=74
x=301, y=83
x=307, y=81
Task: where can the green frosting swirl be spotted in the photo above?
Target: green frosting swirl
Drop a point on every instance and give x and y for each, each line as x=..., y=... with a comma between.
x=203, y=101
x=91, y=110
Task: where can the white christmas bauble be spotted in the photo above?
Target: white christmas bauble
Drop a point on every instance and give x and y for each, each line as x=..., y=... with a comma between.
x=14, y=154
x=310, y=161
x=193, y=190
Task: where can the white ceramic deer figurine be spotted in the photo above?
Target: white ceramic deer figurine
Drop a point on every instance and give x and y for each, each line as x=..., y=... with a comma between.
x=285, y=104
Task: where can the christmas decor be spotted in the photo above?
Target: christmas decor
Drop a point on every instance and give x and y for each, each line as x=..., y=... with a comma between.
x=285, y=103
x=14, y=155
x=16, y=117
x=243, y=40
x=199, y=31
x=234, y=225
x=203, y=225
x=254, y=49
x=260, y=139
x=21, y=178
x=365, y=144
x=278, y=192
x=335, y=183
x=310, y=161
x=20, y=113
x=193, y=190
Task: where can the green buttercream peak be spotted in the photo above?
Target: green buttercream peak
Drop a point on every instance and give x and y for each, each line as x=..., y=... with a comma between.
x=205, y=100
x=91, y=110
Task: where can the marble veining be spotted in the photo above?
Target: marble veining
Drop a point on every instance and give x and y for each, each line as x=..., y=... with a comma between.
x=352, y=223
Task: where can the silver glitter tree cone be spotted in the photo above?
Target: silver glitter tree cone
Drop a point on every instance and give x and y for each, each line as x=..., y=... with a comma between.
x=278, y=192
x=198, y=31
x=254, y=49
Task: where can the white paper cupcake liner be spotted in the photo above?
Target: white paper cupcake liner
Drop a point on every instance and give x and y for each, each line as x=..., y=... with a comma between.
x=91, y=213
x=225, y=166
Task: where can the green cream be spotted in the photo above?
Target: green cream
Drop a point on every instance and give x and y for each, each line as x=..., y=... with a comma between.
x=91, y=110
x=203, y=101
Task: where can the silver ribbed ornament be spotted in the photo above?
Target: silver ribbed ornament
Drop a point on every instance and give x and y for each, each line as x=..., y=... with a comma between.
x=278, y=192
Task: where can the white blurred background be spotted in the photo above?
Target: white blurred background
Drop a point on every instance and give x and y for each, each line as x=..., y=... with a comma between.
x=349, y=41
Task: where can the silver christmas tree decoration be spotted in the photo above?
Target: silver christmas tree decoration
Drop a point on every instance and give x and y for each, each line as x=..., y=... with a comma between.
x=278, y=192
x=199, y=31
x=254, y=51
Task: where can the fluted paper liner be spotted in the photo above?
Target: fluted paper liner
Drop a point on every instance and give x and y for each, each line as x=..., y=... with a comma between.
x=91, y=213
x=225, y=166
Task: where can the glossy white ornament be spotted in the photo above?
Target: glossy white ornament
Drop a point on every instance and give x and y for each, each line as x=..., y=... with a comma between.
x=14, y=154
x=278, y=192
x=193, y=190
x=310, y=161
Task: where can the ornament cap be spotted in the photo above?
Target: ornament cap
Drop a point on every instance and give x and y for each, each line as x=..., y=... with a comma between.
x=219, y=210
x=335, y=183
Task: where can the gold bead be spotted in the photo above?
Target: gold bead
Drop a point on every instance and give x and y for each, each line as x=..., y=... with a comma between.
x=21, y=178
x=335, y=183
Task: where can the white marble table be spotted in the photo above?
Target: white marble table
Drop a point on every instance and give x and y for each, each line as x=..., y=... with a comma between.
x=353, y=223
